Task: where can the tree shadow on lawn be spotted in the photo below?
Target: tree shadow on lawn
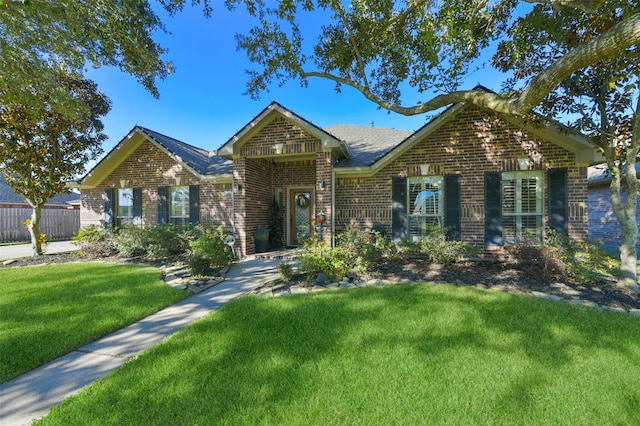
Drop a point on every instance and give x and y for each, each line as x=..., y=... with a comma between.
x=74, y=310
x=318, y=357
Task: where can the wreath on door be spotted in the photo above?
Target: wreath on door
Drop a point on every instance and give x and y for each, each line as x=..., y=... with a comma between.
x=302, y=201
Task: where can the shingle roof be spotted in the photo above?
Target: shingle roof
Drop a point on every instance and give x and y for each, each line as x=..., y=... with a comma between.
x=367, y=144
x=200, y=160
x=600, y=173
x=8, y=196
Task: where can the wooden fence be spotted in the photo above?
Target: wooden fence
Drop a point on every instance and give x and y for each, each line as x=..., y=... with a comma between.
x=58, y=224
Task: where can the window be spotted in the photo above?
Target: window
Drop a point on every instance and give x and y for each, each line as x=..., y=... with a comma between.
x=124, y=206
x=179, y=205
x=424, y=202
x=522, y=206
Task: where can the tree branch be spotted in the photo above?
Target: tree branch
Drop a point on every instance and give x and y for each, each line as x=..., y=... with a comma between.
x=401, y=17
x=352, y=41
x=609, y=44
x=587, y=6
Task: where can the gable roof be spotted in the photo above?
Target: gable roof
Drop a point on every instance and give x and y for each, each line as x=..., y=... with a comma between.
x=549, y=130
x=232, y=147
x=200, y=162
x=8, y=196
x=366, y=144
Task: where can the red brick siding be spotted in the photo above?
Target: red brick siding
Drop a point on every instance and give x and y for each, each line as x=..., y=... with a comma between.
x=148, y=168
x=603, y=224
x=470, y=144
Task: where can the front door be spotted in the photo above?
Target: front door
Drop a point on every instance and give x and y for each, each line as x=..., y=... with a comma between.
x=300, y=220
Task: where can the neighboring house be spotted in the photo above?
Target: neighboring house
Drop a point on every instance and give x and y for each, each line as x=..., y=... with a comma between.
x=488, y=179
x=60, y=217
x=604, y=227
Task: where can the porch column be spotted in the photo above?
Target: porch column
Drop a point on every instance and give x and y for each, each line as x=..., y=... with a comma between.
x=324, y=185
x=240, y=205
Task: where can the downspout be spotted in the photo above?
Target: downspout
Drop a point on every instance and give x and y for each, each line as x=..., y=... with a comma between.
x=333, y=206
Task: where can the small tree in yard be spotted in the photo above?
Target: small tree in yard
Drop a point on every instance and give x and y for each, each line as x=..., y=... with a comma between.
x=41, y=149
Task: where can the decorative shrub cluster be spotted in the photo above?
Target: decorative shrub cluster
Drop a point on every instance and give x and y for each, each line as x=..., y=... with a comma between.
x=94, y=242
x=437, y=249
x=204, y=246
x=561, y=257
x=358, y=249
x=208, y=251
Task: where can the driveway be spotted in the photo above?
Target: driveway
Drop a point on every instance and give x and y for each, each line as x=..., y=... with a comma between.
x=24, y=250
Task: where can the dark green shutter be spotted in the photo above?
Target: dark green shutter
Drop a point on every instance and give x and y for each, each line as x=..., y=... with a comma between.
x=108, y=207
x=452, y=214
x=194, y=204
x=162, y=205
x=399, y=225
x=558, y=200
x=493, y=209
x=137, y=206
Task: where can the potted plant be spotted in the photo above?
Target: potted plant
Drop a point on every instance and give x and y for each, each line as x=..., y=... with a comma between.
x=277, y=219
x=262, y=239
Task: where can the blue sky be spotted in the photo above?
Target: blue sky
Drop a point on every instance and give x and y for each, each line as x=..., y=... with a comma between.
x=203, y=104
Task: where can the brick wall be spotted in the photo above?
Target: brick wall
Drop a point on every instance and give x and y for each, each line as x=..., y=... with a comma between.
x=262, y=174
x=148, y=168
x=472, y=143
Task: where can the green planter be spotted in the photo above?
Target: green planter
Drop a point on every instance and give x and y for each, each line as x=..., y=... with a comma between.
x=262, y=239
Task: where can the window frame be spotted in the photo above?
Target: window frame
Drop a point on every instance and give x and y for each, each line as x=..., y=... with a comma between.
x=518, y=212
x=184, y=217
x=424, y=219
x=123, y=219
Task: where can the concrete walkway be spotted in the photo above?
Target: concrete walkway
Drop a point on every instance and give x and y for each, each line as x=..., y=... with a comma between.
x=24, y=250
x=32, y=395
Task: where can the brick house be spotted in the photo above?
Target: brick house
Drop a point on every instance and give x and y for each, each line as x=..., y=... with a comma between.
x=603, y=224
x=488, y=179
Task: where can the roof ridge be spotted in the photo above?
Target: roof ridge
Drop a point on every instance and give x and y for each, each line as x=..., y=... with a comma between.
x=146, y=129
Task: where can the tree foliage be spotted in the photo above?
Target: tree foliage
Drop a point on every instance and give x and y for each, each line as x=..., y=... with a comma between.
x=35, y=36
x=43, y=148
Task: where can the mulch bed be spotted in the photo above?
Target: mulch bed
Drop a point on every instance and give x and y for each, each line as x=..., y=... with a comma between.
x=506, y=276
x=488, y=275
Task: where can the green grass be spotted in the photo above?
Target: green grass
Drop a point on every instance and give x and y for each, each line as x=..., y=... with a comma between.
x=47, y=311
x=427, y=354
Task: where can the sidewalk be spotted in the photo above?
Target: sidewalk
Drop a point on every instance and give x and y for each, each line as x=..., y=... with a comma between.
x=24, y=250
x=31, y=396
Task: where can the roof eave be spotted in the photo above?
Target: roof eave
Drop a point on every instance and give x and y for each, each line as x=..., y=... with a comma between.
x=120, y=153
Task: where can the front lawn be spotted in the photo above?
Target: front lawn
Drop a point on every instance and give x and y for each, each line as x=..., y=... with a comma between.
x=47, y=311
x=421, y=354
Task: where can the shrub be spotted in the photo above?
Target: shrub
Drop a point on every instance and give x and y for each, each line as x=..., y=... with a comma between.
x=435, y=246
x=200, y=264
x=94, y=242
x=286, y=271
x=584, y=260
x=539, y=261
x=357, y=249
x=209, y=251
x=165, y=241
x=130, y=240
x=97, y=250
x=90, y=234
x=316, y=257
